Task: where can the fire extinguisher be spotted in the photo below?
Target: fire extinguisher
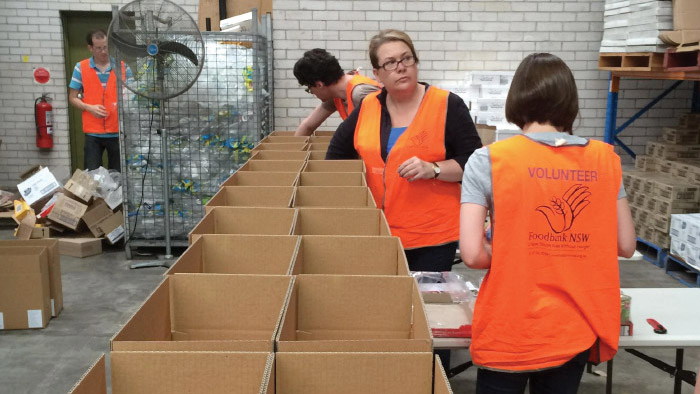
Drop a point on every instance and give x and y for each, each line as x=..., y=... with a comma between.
x=43, y=113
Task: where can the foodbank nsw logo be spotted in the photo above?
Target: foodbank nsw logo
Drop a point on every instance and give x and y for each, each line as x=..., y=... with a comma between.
x=562, y=212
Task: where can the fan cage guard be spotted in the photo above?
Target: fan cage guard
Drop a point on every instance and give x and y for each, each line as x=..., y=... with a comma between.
x=211, y=128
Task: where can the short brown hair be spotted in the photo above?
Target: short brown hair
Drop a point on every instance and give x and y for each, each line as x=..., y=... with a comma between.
x=544, y=91
x=385, y=36
x=97, y=34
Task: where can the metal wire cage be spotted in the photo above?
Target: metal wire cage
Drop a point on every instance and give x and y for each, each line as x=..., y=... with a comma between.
x=210, y=130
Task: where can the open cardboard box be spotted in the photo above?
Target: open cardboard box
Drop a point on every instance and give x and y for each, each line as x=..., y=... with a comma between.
x=281, y=146
x=335, y=166
x=202, y=312
x=324, y=133
x=240, y=220
x=55, y=284
x=277, y=139
x=350, y=255
x=340, y=221
x=332, y=179
x=260, y=178
x=252, y=196
x=317, y=155
x=181, y=373
x=326, y=139
x=335, y=313
x=318, y=146
x=334, y=196
x=238, y=254
x=353, y=373
x=24, y=288
x=273, y=165
x=288, y=133
x=279, y=155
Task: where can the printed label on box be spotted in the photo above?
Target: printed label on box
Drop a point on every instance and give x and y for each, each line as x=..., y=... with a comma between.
x=116, y=234
x=34, y=318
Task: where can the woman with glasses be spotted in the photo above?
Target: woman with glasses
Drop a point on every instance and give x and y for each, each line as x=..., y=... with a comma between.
x=414, y=139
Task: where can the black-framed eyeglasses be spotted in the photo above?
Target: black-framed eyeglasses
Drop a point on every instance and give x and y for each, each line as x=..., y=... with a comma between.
x=392, y=65
x=307, y=89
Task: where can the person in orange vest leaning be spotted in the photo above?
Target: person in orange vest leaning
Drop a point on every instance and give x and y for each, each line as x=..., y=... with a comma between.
x=323, y=77
x=93, y=90
x=559, y=219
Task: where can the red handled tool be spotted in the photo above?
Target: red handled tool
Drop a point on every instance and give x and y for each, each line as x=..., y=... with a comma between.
x=658, y=328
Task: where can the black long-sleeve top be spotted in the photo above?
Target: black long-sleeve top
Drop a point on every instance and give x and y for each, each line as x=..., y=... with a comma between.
x=461, y=138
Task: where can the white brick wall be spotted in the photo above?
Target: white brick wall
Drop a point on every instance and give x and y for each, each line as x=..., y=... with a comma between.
x=32, y=28
x=453, y=37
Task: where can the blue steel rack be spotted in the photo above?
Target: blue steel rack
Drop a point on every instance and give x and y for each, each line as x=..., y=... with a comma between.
x=611, y=129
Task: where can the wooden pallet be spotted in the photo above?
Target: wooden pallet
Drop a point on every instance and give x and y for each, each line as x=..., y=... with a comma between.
x=634, y=61
x=678, y=60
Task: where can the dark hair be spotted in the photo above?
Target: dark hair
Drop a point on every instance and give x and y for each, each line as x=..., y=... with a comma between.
x=317, y=65
x=543, y=90
x=389, y=35
x=95, y=33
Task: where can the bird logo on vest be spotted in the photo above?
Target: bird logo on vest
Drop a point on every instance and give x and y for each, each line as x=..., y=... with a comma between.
x=561, y=212
x=420, y=138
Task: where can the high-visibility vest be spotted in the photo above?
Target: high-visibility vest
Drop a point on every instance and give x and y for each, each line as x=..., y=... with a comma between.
x=424, y=212
x=553, y=289
x=93, y=94
x=356, y=80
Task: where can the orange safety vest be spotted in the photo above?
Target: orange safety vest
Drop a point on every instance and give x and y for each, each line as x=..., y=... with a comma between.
x=93, y=93
x=553, y=289
x=423, y=212
x=356, y=80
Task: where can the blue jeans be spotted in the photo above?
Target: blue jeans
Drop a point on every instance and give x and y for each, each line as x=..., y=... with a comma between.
x=560, y=380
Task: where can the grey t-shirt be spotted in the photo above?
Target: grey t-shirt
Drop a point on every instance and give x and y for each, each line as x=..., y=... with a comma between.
x=358, y=93
x=477, y=187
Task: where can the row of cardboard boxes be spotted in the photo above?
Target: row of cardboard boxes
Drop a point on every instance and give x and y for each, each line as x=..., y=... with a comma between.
x=661, y=186
x=687, y=170
x=685, y=238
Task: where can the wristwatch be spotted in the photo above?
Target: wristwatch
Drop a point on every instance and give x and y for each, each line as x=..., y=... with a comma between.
x=436, y=170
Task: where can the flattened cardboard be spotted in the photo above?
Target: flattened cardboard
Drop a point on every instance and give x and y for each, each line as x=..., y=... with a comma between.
x=273, y=165
x=254, y=254
x=279, y=155
x=332, y=179
x=341, y=221
x=191, y=312
x=335, y=166
x=350, y=255
x=334, y=196
x=96, y=214
x=24, y=288
x=252, y=196
x=79, y=247
x=297, y=146
x=331, y=313
x=67, y=212
x=55, y=284
x=240, y=220
x=261, y=178
x=353, y=373
x=94, y=381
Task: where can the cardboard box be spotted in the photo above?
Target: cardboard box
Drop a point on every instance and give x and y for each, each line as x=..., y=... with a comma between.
x=353, y=373
x=239, y=254
x=297, y=146
x=24, y=288
x=341, y=221
x=350, y=255
x=260, y=178
x=318, y=146
x=673, y=189
x=335, y=313
x=645, y=163
x=686, y=15
x=332, y=179
x=276, y=139
x=450, y=320
x=79, y=247
x=38, y=187
x=665, y=150
x=681, y=135
x=324, y=139
x=283, y=133
x=181, y=373
x=114, y=228
x=95, y=215
x=54, y=259
x=273, y=165
x=252, y=196
x=40, y=232
x=334, y=196
x=25, y=230
x=200, y=312
x=317, y=155
x=81, y=186
x=239, y=220
x=335, y=166
x=279, y=155
x=324, y=133
x=67, y=212
x=487, y=133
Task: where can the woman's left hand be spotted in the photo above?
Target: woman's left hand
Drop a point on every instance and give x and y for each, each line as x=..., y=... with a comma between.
x=415, y=168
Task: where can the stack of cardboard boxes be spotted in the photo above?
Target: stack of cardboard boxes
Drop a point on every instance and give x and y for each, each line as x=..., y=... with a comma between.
x=72, y=212
x=666, y=181
x=685, y=239
x=292, y=284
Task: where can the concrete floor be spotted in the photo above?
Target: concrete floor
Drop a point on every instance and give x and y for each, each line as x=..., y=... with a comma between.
x=101, y=293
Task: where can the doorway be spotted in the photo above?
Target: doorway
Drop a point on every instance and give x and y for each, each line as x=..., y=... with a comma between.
x=76, y=25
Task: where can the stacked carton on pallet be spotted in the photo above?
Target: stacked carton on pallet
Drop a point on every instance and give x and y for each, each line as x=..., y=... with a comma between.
x=634, y=25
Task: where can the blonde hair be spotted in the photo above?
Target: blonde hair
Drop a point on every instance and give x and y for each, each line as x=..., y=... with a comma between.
x=385, y=36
